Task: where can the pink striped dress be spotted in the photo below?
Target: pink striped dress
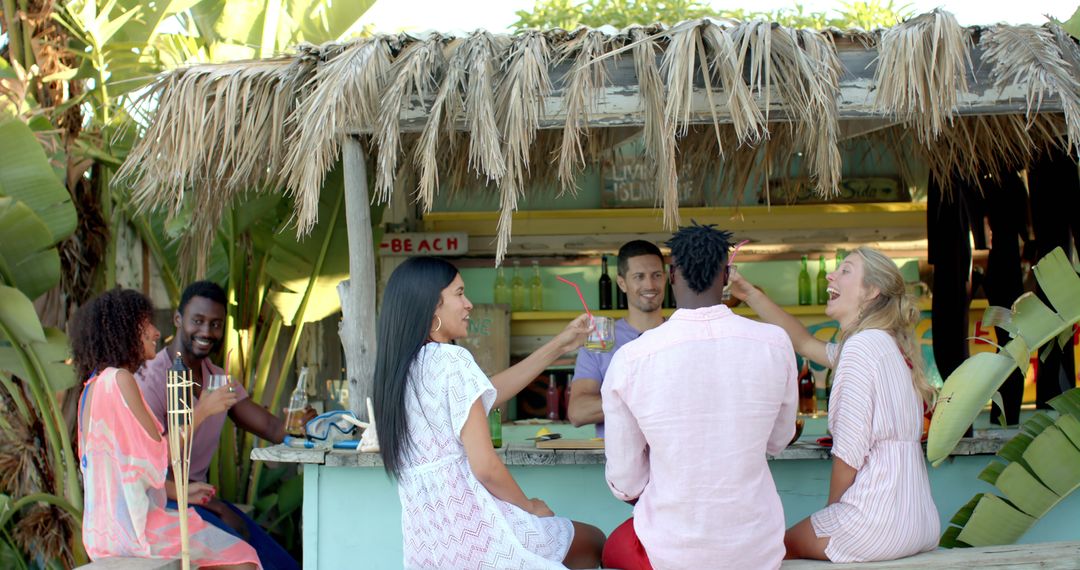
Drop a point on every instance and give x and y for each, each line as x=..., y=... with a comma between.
x=876, y=420
x=124, y=476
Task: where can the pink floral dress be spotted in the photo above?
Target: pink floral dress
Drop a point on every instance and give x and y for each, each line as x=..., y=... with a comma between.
x=124, y=476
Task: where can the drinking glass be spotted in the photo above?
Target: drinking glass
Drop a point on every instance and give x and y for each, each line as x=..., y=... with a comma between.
x=602, y=337
x=725, y=296
x=216, y=381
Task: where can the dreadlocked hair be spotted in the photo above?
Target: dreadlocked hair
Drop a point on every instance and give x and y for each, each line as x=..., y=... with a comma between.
x=107, y=331
x=700, y=252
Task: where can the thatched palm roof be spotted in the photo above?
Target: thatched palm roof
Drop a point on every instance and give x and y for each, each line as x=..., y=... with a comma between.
x=499, y=111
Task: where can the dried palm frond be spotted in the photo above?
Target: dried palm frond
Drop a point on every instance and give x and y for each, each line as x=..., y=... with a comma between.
x=817, y=69
x=803, y=69
x=518, y=103
x=582, y=83
x=485, y=51
x=1032, y=58
x=726, y=66
x=215, y=127
x=448, y=107
x=977, y=146
x=922, y=67
x=657, y=134
x=413, y=73
x=345, y=95
x=218, y=132
x=47, y=531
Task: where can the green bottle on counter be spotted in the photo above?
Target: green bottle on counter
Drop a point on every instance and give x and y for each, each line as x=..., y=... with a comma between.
x=517, y=289
x=502, y=292
x=805, y=297
x=536, y=289
x=822, y=282
x=495, y=425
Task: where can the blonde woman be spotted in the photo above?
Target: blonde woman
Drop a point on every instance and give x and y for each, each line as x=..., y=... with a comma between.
x=880, y=506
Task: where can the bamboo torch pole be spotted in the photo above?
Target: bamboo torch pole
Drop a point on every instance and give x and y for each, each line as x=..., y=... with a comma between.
x=180, y=396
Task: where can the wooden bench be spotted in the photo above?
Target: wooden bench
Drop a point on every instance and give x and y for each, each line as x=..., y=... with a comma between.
x=132, y=564
x=1042, y=555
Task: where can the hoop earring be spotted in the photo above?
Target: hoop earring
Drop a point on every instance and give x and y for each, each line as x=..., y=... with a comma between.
x=438, y=326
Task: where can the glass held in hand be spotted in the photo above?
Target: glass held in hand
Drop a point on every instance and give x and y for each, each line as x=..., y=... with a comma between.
x=725, y=296
x=215, y=381
x=602, y=337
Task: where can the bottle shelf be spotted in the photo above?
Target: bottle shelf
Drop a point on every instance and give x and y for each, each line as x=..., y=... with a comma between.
x=548, y=323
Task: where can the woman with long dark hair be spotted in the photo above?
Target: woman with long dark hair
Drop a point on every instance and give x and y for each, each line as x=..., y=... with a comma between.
x=880, y=506
x=461, y=508
x=122, y=447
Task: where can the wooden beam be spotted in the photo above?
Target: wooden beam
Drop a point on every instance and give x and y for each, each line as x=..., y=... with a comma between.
x=803, y=218
x=358, y=292
x=618, y=104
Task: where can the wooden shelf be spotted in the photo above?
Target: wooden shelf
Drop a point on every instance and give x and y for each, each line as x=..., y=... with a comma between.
x=548, y=323
x=899, y=228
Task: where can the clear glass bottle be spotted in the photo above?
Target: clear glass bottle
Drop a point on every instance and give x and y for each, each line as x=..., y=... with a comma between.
x=605, y=285
x=502, y=292
x=517, y=289
x=294, y=414
x=805, y=297
x=822, y=282
x=536, y=289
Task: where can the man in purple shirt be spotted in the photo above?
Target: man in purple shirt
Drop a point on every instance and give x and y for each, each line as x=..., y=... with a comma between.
x=641, y=277
x=200, y=326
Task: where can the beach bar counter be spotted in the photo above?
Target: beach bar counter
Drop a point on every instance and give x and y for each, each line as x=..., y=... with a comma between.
x=352, y=515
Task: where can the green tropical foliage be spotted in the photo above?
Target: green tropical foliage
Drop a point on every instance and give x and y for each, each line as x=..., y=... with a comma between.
x=100, y=55
x=1033, y=324
x=569, y=14
x=1040, y=467
x=40, y=480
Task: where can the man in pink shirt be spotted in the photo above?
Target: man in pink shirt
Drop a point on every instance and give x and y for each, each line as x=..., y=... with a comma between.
x=692, y=407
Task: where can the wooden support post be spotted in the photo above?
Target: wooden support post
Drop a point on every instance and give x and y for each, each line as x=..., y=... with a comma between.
x=358, y=292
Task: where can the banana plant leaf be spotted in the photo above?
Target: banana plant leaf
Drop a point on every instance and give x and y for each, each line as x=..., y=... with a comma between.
x=994, y=521
x=23, y=334
x=318, y=263
x=976, y=380
x=28, y=259
x=1043, y=469
x=25, y=175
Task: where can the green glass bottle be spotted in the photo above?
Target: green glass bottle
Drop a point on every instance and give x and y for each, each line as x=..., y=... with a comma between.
x=536, y=289
x=517, y=289
x=805, y=296
x=822, y=282
x=495, y=425
x=502, y=292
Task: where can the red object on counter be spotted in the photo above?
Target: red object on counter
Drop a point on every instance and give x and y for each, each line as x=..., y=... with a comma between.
x=552, y=398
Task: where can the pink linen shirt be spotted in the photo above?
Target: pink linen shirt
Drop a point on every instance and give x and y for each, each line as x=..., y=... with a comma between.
x=692, y=407
x=152, y=377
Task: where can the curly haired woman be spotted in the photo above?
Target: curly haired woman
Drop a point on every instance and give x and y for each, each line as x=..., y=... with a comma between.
x=123, y=450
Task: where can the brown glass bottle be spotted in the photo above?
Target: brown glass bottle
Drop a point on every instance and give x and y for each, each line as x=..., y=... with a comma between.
x=605, y=285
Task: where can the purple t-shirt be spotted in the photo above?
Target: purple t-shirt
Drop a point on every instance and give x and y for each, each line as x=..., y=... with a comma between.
x=593, y=365
x=152, y=378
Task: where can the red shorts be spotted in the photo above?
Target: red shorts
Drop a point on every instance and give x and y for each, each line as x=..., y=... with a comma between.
x=624, y=551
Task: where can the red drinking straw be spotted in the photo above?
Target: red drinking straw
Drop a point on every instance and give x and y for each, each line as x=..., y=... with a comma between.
x=735, y=250
x=583, y=303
